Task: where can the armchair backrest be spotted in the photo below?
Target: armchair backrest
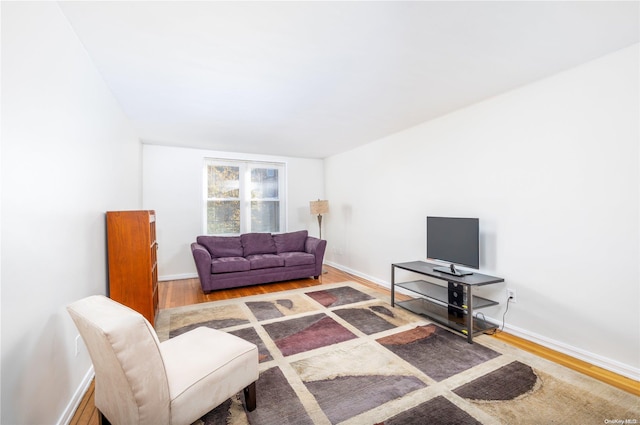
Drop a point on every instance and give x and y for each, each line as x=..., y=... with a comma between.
x=131, y=383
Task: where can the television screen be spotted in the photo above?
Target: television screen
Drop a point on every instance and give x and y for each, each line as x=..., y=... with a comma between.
x=454, y=240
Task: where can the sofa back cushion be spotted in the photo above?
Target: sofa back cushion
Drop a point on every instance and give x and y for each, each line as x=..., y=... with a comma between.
x=222, y=246
x=257, y=243
x=290, y=242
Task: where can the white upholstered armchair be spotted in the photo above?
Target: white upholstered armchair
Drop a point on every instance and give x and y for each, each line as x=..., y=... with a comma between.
x=140, y=380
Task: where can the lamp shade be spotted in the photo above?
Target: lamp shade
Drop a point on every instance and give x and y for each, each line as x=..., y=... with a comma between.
x=319, y=207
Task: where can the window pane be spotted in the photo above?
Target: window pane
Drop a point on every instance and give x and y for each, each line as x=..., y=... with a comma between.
x=265, y=216
x=244, y=196
x=223, y=217
x=264, y=183
x=223, y=181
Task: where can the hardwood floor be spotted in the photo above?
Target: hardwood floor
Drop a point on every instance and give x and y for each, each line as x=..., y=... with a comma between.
x=186, y=292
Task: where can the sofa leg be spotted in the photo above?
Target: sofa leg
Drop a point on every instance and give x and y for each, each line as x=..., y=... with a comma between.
x=250, y=397
x=316, y=277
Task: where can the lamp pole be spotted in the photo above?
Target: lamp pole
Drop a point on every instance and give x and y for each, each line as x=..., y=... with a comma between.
x=320, y=224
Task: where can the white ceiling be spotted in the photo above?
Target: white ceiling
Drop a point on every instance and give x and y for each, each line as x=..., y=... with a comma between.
x=315, y=78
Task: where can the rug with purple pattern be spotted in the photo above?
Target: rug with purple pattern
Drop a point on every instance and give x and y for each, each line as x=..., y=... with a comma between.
x=340, y=354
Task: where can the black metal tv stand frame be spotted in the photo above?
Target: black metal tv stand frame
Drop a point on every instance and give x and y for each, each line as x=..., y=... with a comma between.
x=451, y=305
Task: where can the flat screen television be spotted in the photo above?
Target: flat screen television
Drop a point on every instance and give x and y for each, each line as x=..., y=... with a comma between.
x=455, y=240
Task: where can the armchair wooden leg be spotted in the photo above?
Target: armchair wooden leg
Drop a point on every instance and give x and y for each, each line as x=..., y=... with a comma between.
x=102, y=419
x=250, y=397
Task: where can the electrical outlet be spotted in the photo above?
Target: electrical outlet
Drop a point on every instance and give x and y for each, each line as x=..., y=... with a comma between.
x=511, y=295
x=77, y=345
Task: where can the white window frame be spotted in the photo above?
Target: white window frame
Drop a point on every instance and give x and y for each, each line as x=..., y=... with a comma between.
x=245, y=167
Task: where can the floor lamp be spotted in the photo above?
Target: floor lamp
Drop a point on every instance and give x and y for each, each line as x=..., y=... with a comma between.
x=319, y=207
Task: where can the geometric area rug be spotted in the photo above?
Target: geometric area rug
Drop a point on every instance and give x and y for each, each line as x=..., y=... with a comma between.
x=340, y=354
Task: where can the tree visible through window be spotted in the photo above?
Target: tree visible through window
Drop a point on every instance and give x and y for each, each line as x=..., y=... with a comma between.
x=244, y=197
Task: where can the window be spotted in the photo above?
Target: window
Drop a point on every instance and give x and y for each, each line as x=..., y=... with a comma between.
x=244, y=197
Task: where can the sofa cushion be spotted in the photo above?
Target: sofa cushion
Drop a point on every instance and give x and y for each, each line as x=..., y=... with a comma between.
x=265, y=261
x=257, y=243
x=229, y=264
x=297, y=258
x=290, y=242
x=222, y=246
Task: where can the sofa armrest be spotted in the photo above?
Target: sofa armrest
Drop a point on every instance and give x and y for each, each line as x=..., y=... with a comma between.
x=316, y=247
x=202, y=258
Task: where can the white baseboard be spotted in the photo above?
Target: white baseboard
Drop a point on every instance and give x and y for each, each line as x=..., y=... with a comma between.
x=357, y=273
x=377, y=281
x=73, y=404
x=578, y=353
x=177, y=276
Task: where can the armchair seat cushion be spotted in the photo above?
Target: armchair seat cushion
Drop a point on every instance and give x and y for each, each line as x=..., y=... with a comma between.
x=217, y=362
x=297, y=258
x=230, y=264
x=265, y=261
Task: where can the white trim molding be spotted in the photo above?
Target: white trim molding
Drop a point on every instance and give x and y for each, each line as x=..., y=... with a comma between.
x=75, y=401
x=591, y=358
x=177, y=276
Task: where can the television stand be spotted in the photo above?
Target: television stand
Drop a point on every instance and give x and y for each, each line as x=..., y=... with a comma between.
x=451, y=305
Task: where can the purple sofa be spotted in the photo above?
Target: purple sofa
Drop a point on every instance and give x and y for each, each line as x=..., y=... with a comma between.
x=254, y=258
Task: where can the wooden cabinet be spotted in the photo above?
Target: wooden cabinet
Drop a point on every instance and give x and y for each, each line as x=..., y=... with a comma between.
x=133, y=265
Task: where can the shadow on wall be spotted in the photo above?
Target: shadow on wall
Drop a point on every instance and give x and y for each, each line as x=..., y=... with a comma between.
x=341, y=247
x=488, y=249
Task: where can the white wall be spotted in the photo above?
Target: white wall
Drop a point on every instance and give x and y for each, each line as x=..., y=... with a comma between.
x=551, y=170
x=68, y=155
x=173, y=187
